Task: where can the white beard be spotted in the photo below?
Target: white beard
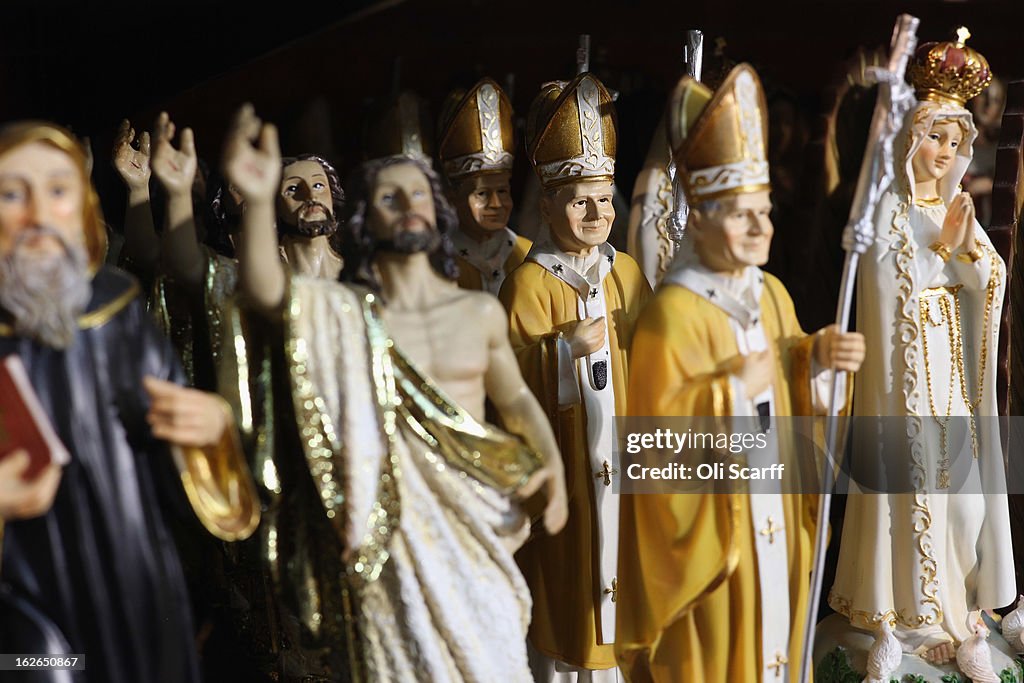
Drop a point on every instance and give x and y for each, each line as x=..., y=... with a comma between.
x=45, y=293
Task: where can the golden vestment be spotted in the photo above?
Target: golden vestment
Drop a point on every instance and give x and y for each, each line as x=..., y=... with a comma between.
x=688, y=574
x=562, y=570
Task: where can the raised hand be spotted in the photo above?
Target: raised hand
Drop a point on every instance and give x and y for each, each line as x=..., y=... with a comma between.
x=20, y=499
x=174, y=168
x=130, y=157
x=252, y=157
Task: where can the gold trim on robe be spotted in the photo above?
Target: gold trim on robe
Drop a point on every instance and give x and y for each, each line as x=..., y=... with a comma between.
x=563, y=570
x=687, y=570
x=218, y=484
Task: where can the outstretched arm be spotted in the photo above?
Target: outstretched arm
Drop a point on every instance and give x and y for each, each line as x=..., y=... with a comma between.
x=176, y=171
x=522, y=415
x=252, y=164
x=130, y=158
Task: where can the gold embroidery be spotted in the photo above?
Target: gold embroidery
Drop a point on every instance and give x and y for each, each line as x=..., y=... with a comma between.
x=104, y=313
x=778, y=664
x=326, y=455
x=606, y=473
x=613, y=590
x=871, y=620
x=770, y=530
x=908, y=333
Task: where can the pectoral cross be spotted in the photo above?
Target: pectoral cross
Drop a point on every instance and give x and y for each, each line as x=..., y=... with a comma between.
x=614, y=590
x=771, y=530
x=780, y=661
x=606, y=472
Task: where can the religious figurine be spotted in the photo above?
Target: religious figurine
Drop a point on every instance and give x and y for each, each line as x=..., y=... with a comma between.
x=475, y=150
x=309, y=205
x=930, y=294
x=92, y=569
x=393, y=521
x=191, y=301
x=572, y=306
x=713, y=586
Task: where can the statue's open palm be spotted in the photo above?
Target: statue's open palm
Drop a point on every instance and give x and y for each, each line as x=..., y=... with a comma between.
x=130, y=157
x=174, y=168
x=252, y=157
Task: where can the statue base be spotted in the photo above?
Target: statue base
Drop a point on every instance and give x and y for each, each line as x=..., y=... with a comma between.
x=840, y=656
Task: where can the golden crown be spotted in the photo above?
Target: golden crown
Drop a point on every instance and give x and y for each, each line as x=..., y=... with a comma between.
x=949, y=72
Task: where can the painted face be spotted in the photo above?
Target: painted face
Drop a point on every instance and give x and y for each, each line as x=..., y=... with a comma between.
x=485, y=201
x=40, y=186
x=580, y=214
x=735, y=235
x=934, y=158
x=401, y=201
x=305, y=196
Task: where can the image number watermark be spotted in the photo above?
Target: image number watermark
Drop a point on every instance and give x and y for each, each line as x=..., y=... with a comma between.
x=46, y=662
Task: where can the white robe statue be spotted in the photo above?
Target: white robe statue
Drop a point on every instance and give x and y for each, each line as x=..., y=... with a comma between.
x=926, y=541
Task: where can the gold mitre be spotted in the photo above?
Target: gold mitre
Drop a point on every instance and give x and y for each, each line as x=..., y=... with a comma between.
x=477, y=135
x=949, y=72
x=719, y=139
x=402, y=130
x=571, y=132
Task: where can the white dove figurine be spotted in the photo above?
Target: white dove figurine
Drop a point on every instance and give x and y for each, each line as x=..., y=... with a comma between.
x=1013, y=625
x=975, y=658
x=884, y=657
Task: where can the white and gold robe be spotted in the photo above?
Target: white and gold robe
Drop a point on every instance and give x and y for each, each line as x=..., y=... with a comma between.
x=572, y=575
x=939, y=546
x=418, y=493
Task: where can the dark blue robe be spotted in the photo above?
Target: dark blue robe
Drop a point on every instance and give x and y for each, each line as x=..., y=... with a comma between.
x=100, y=570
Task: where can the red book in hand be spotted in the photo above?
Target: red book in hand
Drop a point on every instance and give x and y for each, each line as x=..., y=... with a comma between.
x=23, y=423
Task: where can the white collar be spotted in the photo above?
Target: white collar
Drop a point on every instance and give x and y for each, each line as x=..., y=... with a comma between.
x=595, y=266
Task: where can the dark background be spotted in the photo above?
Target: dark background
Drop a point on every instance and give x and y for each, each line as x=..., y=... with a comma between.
x=313, y=65
x=318, y=69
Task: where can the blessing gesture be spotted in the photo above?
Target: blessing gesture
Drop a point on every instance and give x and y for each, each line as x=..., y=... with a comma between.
x=130, y=157
x=175, y=168
x=252, y=156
